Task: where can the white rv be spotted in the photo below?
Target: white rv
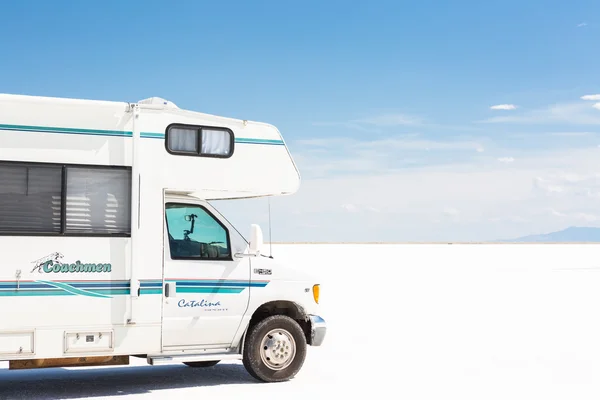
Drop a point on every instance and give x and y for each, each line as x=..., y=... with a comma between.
x=111, y=247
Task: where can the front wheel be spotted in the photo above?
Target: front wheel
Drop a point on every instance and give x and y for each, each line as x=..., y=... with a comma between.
x=275, y=349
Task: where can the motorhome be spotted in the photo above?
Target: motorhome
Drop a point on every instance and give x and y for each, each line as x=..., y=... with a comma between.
x=112, y=248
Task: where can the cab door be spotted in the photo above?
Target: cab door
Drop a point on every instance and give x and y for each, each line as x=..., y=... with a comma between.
x=205, y=287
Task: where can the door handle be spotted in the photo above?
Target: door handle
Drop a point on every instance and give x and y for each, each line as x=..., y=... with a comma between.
x=171, y=289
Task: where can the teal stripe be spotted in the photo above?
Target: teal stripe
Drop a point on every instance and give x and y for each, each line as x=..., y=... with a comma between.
x=109, y=292
x=49, y=129
x=106, y=293
x=209, y=290
x=259, y=141
x=151, y=135
x=58, y=288
x=151, y=291
x=216, y=282
x=29, y=293
x=104, y=132
x=73, y=290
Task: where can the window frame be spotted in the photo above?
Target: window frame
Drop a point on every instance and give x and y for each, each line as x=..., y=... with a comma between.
x=198, y=129
x=209, y=213
x=63, y=200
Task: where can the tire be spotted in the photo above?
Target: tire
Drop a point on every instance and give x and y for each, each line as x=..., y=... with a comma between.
x=201, y=364
x=268, y=359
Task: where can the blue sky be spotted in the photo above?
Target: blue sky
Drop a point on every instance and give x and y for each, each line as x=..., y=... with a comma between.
x=387, y=106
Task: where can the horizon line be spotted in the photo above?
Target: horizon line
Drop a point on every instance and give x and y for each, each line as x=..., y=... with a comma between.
x=427, y=242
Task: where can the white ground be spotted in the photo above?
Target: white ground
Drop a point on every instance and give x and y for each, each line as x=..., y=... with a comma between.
x=405, y=322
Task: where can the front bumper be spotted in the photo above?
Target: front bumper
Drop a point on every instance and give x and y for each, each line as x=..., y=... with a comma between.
x=318, y=328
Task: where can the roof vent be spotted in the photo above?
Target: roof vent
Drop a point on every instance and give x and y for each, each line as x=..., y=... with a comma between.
x=158, y=101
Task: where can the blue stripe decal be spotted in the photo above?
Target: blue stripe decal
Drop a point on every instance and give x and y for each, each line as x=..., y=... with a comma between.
x=150, y=284
x=259, y=141
x=79, y=285
x=151, y=135
x=80, y=131
x=239, y=140
x=107, y=289
x=27, y=293
x=219, y=284
x=209, y=290
x=73, y=290
x=28, y=285
x=113, y=133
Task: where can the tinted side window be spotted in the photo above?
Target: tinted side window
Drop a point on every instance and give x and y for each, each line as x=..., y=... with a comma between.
x=196, y=234
x=51, y=199
x=30, y=199
x=98, y=200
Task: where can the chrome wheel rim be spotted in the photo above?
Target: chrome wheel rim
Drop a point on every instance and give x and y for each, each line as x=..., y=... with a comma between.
x=277, y=349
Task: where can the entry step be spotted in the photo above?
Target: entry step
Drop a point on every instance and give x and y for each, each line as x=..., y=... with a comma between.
x=176, y=359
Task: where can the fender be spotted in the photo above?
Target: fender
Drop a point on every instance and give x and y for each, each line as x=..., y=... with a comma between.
x=276, y=307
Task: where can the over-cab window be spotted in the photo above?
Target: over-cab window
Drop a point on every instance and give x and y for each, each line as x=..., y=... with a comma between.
x=201, y=141
x=50, y=199
x=195, y=234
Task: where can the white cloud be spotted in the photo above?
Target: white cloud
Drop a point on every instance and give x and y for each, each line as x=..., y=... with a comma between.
x=571, y=134
x=581, y=217
x=547, y=186
x=389, y=144
x=409, y=201
x=350, y=208
x=323, y=156
x=451, y=212
x=355, y=208
x=422, y=144
x=509, y=218
x=557, y=213
x=581, y=25
x=387, y=120
x=543, y=134
x=596, y=106
x=586, y=217
x=565, y=113
x=506, y=160
x=504, y=107
x=577, y=185
x=594, y=97
x=373, y=124
x=380, y=123
x=348, y=125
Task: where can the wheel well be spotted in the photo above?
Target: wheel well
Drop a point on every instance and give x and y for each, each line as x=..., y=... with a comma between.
x=282, y=307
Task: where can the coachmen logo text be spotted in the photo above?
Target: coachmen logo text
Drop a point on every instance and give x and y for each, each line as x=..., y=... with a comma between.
x=52, y=263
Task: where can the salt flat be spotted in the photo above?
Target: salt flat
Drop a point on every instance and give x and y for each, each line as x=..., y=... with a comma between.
x=405, y=321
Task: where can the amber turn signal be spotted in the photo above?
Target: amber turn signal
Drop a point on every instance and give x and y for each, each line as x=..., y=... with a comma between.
x=316, y=293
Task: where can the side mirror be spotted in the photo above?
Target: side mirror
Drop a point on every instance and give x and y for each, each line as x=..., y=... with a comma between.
x=256, y=239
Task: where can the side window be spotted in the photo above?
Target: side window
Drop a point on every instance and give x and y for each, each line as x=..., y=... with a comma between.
x=199, y=141
x=196, y=234
x=50, y=199
x=30, y=199
x=97, y=201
